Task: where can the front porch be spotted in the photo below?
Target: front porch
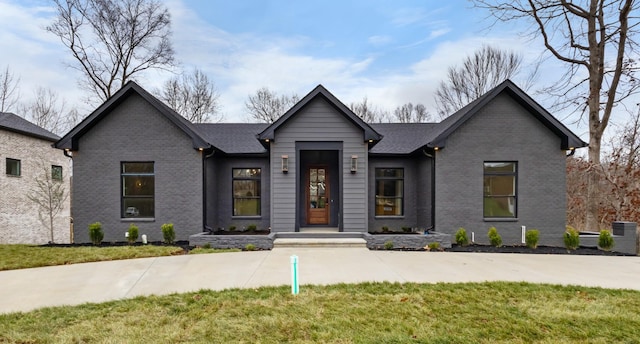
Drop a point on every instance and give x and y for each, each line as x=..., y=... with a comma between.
x=321, y=237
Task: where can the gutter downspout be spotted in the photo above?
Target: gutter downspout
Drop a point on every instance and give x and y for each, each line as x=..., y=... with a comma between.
x=204, y=191
x=66, y=153
x=433, y=188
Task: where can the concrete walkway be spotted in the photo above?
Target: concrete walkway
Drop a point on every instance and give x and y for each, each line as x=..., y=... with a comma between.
x=28, y=289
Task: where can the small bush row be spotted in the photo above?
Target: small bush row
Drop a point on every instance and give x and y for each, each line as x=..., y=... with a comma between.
x=96, y=234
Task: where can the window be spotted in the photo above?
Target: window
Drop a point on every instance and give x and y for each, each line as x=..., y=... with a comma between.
x=389, y=191
x=13, y=167
x=246, y=191
x=500, y=189
x=138, y=189
x=56, y=172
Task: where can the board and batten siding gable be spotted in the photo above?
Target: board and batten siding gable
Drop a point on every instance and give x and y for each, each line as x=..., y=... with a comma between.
x=502, y=131
x=318, y=122
x=136, y=132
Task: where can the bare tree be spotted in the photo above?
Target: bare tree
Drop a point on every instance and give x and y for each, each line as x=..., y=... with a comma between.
x=48, y=111
x=368, y=112
x=595, y=40
x=408, y=113
x=8, y=90
x=111, y=41
x=479, y=73
x=266, y=106
x=49, y=195
x=193, y=96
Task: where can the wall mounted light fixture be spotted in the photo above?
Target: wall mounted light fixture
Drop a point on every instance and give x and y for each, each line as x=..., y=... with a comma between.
x=354, y=163
x=285, y=164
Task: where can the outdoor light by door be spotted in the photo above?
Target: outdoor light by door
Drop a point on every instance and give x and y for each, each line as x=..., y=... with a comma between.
x=285, y=164
x=354, y=163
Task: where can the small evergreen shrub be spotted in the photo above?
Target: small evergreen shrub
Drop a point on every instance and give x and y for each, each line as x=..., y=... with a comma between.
x=168, y=233
x=207, y=245
x=406, y=229
x=252, y=227
x=605, y=240
x=250, y=247
x=232, y=228
x=133, y=233
x=494, y=238
x=461, y=237
x=95, y=233
x=434, y=246
x=385, y=229
x=388, y=245
x=571, y=238
x=531, y=238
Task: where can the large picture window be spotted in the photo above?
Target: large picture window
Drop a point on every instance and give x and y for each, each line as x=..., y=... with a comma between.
x=138, y=189
x=389, y=191
x=246, y=191
x=500, y=194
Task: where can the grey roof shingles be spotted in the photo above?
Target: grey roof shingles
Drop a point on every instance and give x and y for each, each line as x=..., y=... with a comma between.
x=15, y=123
x=233, y=138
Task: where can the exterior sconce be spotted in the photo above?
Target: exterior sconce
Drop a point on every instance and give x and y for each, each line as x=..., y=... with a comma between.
x=354, y=164
x=285, y=164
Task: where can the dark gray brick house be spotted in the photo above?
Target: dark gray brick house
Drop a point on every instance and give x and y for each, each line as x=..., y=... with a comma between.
x=499, y=161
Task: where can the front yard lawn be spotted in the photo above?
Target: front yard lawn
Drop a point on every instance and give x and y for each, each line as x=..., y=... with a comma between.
x=359, y=313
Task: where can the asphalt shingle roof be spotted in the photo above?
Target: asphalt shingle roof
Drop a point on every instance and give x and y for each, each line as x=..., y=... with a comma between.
x=233, y=138
x=15, y=123
x=402, y=138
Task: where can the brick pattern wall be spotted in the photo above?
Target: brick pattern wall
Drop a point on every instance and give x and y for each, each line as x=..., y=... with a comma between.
x=502, y=131
x=137, y=132
x=20, y=217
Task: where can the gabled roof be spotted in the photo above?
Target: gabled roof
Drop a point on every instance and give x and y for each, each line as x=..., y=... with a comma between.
x=233, y=138
x=320, y=91
x=70, y=140
x=402, y=138
x=453, y=122
x=17, y=124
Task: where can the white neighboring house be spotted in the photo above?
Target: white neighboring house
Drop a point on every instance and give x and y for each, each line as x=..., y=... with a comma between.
x=26, y=152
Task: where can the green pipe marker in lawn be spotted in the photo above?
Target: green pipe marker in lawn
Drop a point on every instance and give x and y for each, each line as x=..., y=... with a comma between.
x=295, y=289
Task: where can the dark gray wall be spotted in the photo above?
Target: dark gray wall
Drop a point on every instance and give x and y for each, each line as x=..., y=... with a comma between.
x=318, y=122
x=502, y=131
x=220, y=192
x=417, y=193
x=135, y=131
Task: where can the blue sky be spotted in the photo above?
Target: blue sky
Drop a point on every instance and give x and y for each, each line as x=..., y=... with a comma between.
x=392, y=52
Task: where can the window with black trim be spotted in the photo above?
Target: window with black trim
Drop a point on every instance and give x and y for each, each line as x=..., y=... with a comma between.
x=13, y=167
x=500, y=189
x=56, y=172
x=389, y=191
x=246, y=192
x=138, y=189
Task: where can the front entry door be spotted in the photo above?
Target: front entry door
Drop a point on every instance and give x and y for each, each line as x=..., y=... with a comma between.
x=317, y=196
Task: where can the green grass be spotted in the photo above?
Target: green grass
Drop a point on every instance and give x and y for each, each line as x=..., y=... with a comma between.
x=203, y=250
x=362, y=313
x=26, y=256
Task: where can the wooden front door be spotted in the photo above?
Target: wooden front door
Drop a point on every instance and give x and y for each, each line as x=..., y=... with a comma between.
x=317, y=196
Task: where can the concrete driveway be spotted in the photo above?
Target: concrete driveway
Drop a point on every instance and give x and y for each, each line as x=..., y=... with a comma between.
x=28, y=289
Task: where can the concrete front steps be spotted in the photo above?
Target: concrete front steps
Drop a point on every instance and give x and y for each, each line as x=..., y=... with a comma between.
x=319, y=238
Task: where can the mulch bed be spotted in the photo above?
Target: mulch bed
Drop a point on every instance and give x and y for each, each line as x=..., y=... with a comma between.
x=591, y=251
x=258, y=232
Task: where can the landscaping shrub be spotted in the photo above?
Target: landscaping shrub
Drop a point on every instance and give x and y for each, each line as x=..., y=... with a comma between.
x=232, y=228
x=207, y=245
x=434, y=246
x=388, y=245
x=605, y=240
x=250, y=247
x=406, y=229
x=168, y=233
x=494, y=238
x=531, y=238
x=133, y=233
x=95, y=233
x=385, y=229
x=461, y=237
x=252, y=228
x=571, y=238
